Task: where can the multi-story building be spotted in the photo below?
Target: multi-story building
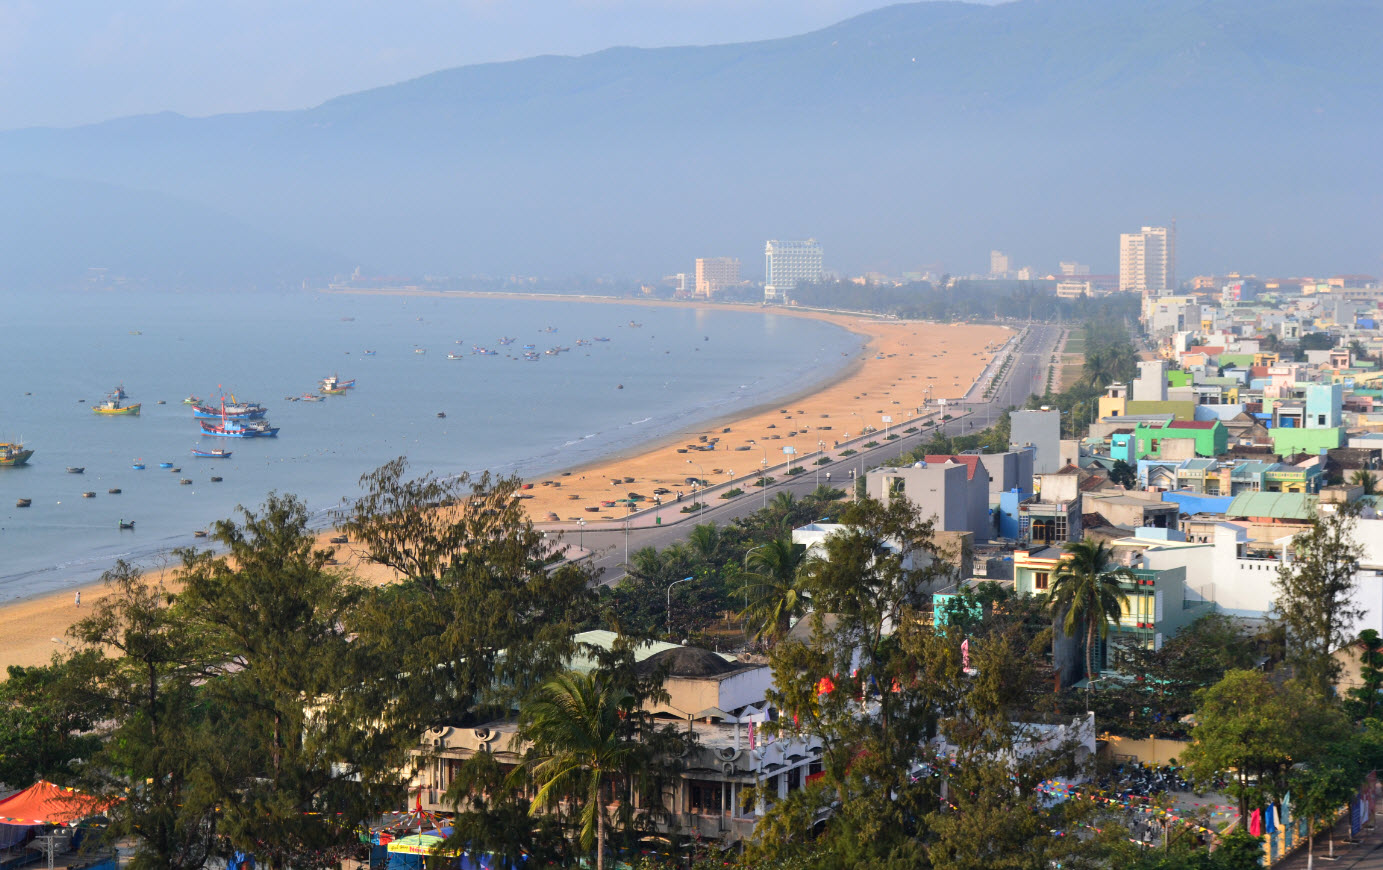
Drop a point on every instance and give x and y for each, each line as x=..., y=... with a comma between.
x=1147, y=261
x=1075, y=270
x=714, y=274
x=998, y=264
x=788, y=264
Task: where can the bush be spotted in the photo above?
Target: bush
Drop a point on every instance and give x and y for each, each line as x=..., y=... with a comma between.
x=693, y=507
x=824, y=460
x=851, y=452
x=891, y=437
x=797, y=470
x=732, y=493
x=764, y=481
x=870, y=445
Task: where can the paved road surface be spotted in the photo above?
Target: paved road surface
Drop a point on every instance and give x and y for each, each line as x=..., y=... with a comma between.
x=1026, y=375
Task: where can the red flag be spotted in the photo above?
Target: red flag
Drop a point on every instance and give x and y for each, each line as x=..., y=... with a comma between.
x=751, y=733
x=825, y=686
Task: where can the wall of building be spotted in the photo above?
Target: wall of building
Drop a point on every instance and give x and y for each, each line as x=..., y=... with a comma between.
x=1041, y=429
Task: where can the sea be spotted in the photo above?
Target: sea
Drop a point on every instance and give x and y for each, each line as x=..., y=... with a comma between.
x=662, y=370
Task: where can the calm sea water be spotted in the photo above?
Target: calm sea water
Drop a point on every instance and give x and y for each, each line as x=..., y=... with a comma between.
x=503, y=413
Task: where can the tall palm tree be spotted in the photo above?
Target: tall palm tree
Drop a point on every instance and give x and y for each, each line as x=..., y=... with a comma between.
x=777, y=592
x=1086, y=589
x=574, y=724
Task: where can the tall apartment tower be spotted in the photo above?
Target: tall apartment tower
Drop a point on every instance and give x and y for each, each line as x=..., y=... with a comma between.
x=787, y=264
x=714, y=274
x=998, y=264
x=1147, y=260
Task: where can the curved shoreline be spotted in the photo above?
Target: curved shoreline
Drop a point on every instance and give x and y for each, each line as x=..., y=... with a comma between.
x=27, y=624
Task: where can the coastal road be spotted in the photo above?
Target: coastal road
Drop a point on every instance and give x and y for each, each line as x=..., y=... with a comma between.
x=606, y=545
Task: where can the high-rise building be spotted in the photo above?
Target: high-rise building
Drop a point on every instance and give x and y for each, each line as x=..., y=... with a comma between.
x=998, y=264
x=1147, y=261
x=714, y=274
x=1075, y=270
x=787, y=264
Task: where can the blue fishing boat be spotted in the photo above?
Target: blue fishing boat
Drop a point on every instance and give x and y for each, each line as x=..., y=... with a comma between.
x=165, y=465
x=230, y=428
x=214, y=453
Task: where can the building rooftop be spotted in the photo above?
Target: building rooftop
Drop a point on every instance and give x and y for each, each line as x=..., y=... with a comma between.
x=1276, y=505
x=968, y=460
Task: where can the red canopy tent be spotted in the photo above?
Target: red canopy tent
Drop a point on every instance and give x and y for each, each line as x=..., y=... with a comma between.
x=46, y=804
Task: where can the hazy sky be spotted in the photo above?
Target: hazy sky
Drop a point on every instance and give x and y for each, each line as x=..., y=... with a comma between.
x=66, y=62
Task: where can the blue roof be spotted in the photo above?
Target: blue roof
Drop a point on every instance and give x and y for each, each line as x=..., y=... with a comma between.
x=1194, y=503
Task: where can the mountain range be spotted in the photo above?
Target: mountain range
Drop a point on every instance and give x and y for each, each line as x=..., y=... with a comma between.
x=923, y=133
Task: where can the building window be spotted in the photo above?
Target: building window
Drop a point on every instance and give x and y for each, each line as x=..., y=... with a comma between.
x=1040, y=580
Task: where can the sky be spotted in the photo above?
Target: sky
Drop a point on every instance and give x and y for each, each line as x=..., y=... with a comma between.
x=71, y=62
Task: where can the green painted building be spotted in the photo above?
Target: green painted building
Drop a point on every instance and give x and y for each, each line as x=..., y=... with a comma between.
x=1287, y=441
x=1210, y=436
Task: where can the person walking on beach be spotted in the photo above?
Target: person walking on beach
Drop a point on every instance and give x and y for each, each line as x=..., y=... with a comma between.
x=79, y=598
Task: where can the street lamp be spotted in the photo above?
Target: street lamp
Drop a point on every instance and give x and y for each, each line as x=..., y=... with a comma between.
x=669, y=600
x=581, y=534
x=701, y=512
x=821, y=450
x=763, y=476
x=629, y=511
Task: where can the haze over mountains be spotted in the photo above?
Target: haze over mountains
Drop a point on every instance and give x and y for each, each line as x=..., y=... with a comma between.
x=917, y=134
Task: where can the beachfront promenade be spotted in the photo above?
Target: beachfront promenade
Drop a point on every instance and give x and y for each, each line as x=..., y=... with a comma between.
x=605, y=542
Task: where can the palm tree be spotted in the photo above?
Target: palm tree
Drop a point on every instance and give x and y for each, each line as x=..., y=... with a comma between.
x=706, y=542
x=574, y=723
x=1364, y=478
x=777, y=591
x=1086, y=589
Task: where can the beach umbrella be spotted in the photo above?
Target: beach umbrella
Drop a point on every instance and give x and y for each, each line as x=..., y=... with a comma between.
x=426, y=843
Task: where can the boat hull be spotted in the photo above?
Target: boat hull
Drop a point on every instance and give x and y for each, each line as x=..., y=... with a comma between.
x=127, y=411
x=233, y=431
x=211, y=454
x=202, y=412
x=15, y=459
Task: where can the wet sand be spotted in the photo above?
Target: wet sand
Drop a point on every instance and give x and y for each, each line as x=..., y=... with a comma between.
x=890, y=375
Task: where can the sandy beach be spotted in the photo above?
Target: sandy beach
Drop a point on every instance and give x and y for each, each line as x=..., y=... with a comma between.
x=898, y=368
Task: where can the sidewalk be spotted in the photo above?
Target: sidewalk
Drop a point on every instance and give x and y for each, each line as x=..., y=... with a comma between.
x=1367, y=854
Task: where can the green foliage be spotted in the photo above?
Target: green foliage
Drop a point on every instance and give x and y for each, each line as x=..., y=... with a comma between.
x=1086, y=594
x=45, y=731
x=963, y=300
x=777, y=593
x=1123, y=474
x=1254, y=731
x=1363, y=700
x=1314, y=597
x=477, y=618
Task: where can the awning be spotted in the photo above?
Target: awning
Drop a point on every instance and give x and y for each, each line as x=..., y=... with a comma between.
x=44, y=803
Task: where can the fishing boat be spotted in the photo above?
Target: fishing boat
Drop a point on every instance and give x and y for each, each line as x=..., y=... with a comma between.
x=333, y=382
x=114, y=490
x=420, y=350
x=127, y=525
x=238, y=429
x=114, y=407
x=600, y=338
x=13, y=454
x=23, y=502
x=137, y=465
x=165, y=465
x=76, y=469
x=455, y=355
x=192, y=400
x=368, y=353
x=213, y=453
x=234, y=410
x=119, y=392
x=88, y=494
x=232, y=428
x=335, y=391
x=308, y=397
x=506, y=340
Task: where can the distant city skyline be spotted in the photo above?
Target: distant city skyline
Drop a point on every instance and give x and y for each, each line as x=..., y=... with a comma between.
x=87, y=61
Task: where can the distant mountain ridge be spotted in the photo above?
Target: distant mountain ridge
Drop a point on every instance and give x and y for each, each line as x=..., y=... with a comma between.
x=914, y=134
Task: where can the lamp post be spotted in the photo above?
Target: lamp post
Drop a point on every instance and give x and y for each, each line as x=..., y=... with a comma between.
x=763, y=476
x=669, y=601
x=629, y=510
x=701, y=512
x=821, y=451
x=581, y=534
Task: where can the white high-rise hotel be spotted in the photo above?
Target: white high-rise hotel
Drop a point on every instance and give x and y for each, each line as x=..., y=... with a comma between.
x=1147, y=261
x=787, y=264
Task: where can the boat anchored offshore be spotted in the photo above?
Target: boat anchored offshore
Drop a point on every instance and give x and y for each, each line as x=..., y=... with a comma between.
x=213, y=453
x=229, y=428
x=234, y=410
x=114, y=406
x=332, y=385
x=13, y=454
